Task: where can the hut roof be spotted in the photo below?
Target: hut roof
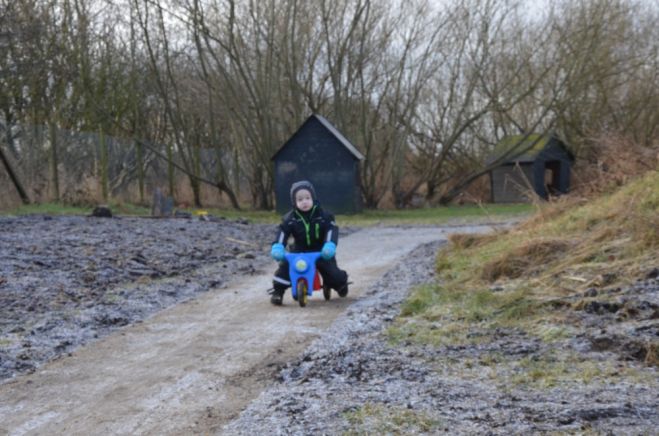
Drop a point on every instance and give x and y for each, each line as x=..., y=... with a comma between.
x=338, y=135
x=531, y=145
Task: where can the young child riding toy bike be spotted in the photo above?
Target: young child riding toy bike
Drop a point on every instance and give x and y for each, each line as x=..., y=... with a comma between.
x=313, y=229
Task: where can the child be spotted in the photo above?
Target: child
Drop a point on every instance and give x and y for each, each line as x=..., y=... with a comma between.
x=313, y=229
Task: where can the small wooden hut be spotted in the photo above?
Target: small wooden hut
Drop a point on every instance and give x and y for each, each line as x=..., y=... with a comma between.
x=527, y=164
x=318, y=152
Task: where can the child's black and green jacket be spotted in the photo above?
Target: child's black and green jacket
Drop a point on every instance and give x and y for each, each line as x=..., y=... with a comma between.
x=310, y=230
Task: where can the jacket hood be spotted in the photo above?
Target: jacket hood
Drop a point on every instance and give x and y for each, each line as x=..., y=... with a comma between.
x=303, y=184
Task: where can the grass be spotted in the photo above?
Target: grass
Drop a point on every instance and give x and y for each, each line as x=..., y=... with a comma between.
x=522, y=278
x=548, y=371
x=429, y=216
x=438, y=215
x=372, y=419
x=47, y=209
x=615, y=233
x=425, y=216
x=117, y=208
x=439, y=316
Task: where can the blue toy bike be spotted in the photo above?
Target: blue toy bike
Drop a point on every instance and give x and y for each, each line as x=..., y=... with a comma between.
x=305, y=277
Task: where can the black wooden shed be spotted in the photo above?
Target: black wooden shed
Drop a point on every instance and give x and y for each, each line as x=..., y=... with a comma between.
x=318, y=152
x=538, y=162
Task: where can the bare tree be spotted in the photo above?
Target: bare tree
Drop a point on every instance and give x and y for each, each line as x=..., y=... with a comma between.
x=611, y=51
x=10, y=69
x=480, y=81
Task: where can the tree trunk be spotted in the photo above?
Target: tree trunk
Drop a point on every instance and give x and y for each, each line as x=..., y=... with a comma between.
x=170, y=168
x=14, y=178
x=196, y=168
x=140, y=169
x=54, y=160
x=232, y=196
x=104, y=165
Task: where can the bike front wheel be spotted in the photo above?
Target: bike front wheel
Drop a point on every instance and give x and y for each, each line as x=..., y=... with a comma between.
x=302, y=289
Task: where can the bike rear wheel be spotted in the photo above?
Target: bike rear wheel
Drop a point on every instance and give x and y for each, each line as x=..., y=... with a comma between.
x=327, y=292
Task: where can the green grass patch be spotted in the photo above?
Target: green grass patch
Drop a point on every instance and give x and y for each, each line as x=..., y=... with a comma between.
x=440, y=302
x=438, y=215
x=48, y=209
x=428, y=216
x=436, y=334
x=551, y=333
x=440, y=315
x=548, y=371
x=253, y=216
x=129, y=209
x=375, y=418
x=117, y=208
x=557, y=368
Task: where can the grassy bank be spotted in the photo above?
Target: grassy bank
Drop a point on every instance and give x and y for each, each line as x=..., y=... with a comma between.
x=522, y=278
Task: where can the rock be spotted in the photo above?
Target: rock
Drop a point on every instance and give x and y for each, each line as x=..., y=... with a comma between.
x=102, y=211
x=590, y=292
x=652, y=274
x=600, y=413
x=601, y=308
x=182, y=214
x=602, y=343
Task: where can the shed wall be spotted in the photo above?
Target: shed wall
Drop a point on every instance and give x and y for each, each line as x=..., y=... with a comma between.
x=511, y=183
x=314, y=154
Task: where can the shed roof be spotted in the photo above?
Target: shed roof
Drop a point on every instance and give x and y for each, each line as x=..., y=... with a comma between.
x=333, y=130
x=531, y=144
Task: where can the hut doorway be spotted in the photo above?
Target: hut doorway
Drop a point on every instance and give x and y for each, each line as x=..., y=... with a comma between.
x=552, y=177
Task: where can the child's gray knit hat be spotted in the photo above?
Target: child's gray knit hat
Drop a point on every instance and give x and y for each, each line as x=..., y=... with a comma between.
x=302, y=184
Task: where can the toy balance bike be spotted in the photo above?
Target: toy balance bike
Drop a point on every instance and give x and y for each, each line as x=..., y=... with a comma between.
x=305, y=277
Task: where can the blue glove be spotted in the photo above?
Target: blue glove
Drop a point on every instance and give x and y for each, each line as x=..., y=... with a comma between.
x=328, y=251
x=277, y=252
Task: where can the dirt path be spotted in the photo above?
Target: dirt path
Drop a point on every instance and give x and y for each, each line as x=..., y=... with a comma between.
x=192, y=367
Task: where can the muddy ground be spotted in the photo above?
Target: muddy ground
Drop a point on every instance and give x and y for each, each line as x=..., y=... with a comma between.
x=71, y=281
x=62, y=278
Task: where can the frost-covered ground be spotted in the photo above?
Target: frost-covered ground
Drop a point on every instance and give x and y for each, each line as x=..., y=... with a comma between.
x=66, y=281
x=351, y=380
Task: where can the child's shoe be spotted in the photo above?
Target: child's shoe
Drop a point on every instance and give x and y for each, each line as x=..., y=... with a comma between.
x=343, y=291
x=277, y=297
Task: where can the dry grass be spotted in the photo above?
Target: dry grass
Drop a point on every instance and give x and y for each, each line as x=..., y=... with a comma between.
x=469, y=240
x=613, y=162
x=528, y=259
x=652, y=356
x=523, y=278
x=613, y=235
